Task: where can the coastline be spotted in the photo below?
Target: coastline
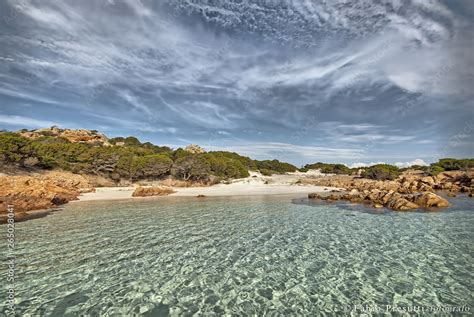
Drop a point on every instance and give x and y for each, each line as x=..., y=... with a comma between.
x=223, y=190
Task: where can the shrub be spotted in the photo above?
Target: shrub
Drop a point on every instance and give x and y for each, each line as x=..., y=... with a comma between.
x=328, y=168
x=191, y=167
x=381, y=172
x=267, y=172
x=12, y=147
x=276, y=166
x=149, y=166
x=434, y=170
x=226, y=166
x=451, y=164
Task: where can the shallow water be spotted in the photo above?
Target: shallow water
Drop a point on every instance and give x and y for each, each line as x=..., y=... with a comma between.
x=244, y=255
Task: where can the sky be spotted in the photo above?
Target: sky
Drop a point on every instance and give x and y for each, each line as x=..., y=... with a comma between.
x=355, y=82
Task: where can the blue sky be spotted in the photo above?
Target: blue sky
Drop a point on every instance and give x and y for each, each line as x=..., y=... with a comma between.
x=302, y=81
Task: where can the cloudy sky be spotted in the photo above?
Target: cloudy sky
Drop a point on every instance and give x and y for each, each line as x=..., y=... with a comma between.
x=301, y=81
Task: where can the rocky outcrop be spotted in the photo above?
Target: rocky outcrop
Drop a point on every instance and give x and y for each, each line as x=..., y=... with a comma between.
x=389, y=199
x=429, y=200
x=74, y=136
x=41, y=191
x=152, y=191
x=195, y=149
x=455, y=182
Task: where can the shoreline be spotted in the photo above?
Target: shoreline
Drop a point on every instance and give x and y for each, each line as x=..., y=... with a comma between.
x=220, y=190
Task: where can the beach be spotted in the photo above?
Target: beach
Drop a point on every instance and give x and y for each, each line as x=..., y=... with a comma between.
x=256, y=184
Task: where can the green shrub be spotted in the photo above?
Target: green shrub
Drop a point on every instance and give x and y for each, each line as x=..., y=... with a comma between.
x=276, y=166
x=191, y=167
x=434, y=170
x=150, y=166
x=328, y=168
x=451, y=164
x=226, y=166
x=267, y=172
x=381, y=172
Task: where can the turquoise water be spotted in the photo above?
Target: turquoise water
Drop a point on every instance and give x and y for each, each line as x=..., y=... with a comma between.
x=274, y=256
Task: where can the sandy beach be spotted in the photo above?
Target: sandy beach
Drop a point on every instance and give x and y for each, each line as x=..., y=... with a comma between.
x=256, y=184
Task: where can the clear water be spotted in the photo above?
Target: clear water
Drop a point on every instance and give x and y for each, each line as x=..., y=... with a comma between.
x=242, y=256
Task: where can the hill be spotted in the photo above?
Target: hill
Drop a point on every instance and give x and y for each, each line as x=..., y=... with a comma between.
x=123, y=158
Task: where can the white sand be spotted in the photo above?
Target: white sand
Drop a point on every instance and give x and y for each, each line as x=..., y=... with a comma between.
x=256, y=184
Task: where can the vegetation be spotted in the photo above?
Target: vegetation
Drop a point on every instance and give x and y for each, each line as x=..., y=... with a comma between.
x=434, y=170
x=327, y=168
x=450, y=164
x=381, y=172
x=128, y=158
x=275, y=167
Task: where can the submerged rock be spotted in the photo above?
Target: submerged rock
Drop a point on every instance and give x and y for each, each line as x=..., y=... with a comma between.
x=152, y=191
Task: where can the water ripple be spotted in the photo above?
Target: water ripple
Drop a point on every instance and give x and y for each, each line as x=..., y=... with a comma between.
x=242, y=256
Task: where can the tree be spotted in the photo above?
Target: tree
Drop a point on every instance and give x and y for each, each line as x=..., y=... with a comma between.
x=150, y=166
x=191, y=167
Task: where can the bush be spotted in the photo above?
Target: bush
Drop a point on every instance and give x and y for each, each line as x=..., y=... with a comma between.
x=191, y=167
x=434, y=170
x=276, y=166
x=381, y=172
x=12, y=147
x=328, y=168
x=226, y=166
x=267, y=172
x=450, y=164
x=150, y=166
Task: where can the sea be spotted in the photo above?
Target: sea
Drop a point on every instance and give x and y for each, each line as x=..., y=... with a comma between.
x=277, y=255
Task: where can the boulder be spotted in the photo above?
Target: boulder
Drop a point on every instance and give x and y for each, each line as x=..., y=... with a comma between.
x=428, y=200
x=152, y=191
x=397, y=202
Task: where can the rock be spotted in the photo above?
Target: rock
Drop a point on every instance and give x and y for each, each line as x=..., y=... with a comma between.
x=451, y=194
x=465, y=189
x=405, y=193
x=72, y=135
x=314, y=196
x=200, y=196
x=378, y=206
x=428, y=200
x=428, y=180
x=195, y=149
x=40, y=191
x=152, y=191
x=400, y=203
x=332, y=197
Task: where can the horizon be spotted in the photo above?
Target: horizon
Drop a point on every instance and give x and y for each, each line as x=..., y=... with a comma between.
x=292, y=81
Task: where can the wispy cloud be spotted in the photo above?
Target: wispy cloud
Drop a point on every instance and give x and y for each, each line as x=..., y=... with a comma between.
x=203, y=68
x=25, y=121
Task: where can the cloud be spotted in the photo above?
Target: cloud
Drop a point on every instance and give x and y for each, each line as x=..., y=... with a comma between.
x=274, y=150
x=207, y=68
x=25, y=121
x=398, y=164
x=414, y=162
x=360, y=164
